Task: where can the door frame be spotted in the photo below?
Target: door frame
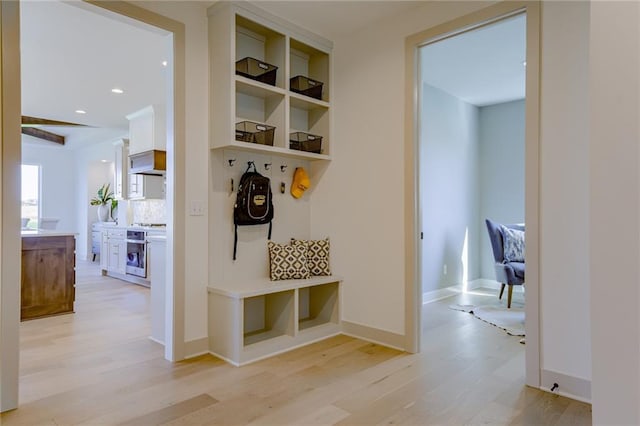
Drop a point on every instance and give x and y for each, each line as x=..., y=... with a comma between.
x=413, y=287
x=10, y=159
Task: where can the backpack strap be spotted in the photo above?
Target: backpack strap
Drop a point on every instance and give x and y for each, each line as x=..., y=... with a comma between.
x=270, y=224
x=235, y=243
x=249, y=165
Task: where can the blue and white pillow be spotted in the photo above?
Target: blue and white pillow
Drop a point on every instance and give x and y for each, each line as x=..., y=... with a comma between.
x=513, y=244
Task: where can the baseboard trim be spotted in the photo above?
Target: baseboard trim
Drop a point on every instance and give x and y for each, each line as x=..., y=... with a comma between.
x=572, y=387
x=224, y=358
x=374, y=335
x=153, y=339
x=196, y=347
x=443, y=293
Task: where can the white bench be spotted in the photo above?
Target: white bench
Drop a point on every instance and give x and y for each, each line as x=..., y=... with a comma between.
x=252, y=320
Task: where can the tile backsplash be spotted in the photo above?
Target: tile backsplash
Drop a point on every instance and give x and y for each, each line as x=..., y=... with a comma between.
x=149, y=211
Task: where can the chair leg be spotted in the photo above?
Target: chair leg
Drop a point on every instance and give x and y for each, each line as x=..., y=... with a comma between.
x=501, y=291
x=509, y=297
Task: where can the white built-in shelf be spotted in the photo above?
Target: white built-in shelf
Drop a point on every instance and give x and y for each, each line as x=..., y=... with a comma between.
x=256, y=88
x=263, y=317
x=273, y=150
x=305, y=102
x=238, y=30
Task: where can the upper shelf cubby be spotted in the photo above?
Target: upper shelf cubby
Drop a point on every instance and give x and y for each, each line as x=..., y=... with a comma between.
x=259, y=42
x=310, y=62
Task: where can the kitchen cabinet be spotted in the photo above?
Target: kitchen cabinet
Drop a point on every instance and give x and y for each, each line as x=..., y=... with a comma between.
x=114, y=251
x=104, y=249
x=146, y=187
x=117, y=255
x=96, y=240
x=121, y=169
x=147, y=129
x=48, y=275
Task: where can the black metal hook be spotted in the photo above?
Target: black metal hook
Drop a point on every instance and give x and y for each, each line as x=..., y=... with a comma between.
x=283, y=168
x=231, y=162
x=267, y=166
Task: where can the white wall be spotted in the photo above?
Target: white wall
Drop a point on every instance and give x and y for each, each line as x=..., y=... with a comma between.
x=564, y=191
x=501, y=166
x=58, y=179
x=291, y=216
x=193, y=14
x=614, y=58
x=449, y=189
x=70, y=178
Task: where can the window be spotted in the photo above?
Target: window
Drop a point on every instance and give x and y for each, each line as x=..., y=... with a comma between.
x=30, y=195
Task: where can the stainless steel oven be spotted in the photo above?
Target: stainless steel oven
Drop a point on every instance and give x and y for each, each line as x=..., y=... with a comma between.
x=136, y=253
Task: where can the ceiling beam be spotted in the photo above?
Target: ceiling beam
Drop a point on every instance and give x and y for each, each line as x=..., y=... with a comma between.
x=35, y=121
x=43, y=134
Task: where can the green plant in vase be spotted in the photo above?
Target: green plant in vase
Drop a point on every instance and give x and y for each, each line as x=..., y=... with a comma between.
x=104, y=201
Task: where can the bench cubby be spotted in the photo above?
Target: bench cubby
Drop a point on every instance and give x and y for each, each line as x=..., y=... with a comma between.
x=268, y=316
x=254, y=320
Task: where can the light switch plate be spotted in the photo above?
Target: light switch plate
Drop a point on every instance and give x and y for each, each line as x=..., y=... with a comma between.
x=196, y=208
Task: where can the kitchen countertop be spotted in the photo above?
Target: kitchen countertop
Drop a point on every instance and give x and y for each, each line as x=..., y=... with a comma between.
x=158, y=229
x=45, y=233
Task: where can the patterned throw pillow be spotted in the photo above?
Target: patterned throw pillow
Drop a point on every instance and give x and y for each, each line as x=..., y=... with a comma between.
x=287, y=262
x=317, y=255
x=513, y=244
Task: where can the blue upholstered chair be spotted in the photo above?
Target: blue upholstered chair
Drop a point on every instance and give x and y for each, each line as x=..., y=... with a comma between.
x=507, y=273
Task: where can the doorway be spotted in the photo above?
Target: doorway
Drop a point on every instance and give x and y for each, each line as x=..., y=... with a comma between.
x=10, y=183
x=413, y=228
x=471, y=146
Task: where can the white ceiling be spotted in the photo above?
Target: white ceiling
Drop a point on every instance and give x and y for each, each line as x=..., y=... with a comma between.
x=482, y=67
x=335, y=19
x=72, y=57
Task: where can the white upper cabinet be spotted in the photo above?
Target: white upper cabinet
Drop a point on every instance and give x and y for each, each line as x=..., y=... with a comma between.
x=146, y=187
x=147, y=129
x=273, y=107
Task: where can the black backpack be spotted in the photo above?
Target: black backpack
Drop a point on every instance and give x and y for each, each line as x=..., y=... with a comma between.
x=254, y=202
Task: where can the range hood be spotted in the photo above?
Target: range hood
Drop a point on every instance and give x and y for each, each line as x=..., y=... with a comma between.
x=153, y=162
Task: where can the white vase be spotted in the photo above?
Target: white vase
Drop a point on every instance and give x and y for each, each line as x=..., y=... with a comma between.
x=103, y=212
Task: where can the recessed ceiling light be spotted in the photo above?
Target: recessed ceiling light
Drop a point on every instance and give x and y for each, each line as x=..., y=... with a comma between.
x=116, y=90
x=104, y=161
x=81, y=111
x=524, y=63
x=165, y=63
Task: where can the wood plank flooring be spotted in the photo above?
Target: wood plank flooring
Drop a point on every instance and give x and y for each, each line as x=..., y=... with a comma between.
x=98, y=367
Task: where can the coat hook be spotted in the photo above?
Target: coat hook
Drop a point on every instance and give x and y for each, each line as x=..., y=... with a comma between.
x=267, y=166
x=231, y=162
x=283, y=168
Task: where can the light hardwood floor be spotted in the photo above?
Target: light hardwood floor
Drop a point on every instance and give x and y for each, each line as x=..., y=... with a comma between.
x=98, y=367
